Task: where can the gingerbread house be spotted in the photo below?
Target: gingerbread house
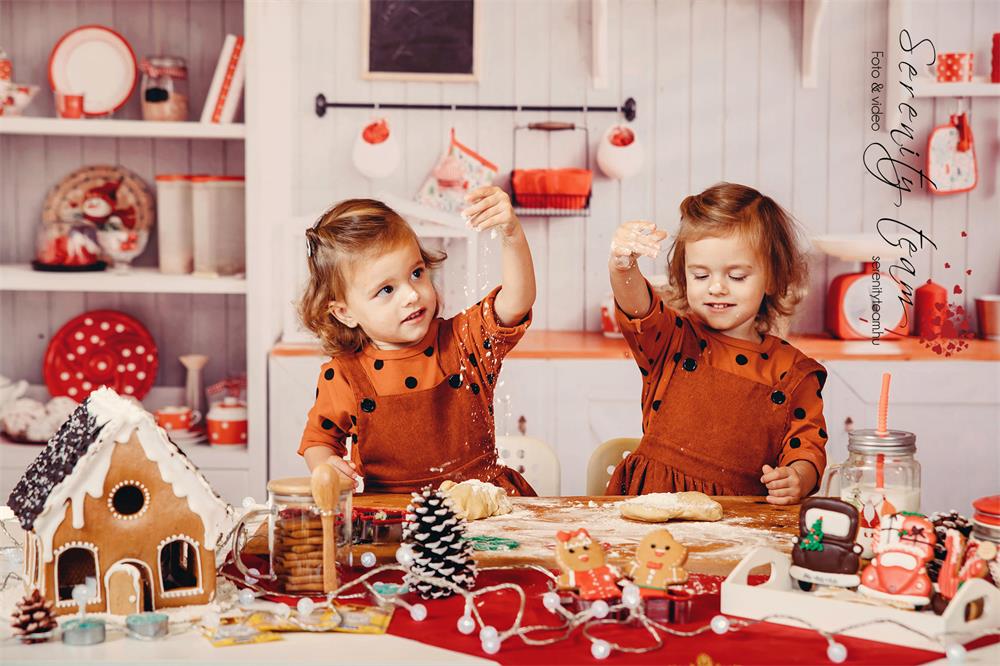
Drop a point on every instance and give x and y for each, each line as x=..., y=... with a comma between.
x=110, y=497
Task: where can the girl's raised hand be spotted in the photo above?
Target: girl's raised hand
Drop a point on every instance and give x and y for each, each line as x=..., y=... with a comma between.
x=634, y=239
x=491, y=209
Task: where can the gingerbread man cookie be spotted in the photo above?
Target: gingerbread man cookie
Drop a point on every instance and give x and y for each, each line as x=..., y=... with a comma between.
x=659, y=561
x=584, y=566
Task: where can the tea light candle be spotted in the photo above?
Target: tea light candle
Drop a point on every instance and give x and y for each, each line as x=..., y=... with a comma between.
x=88, y=631
x=147, y=625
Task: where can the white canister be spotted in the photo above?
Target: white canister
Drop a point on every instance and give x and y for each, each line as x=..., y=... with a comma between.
x=174, y=230
x=218, y=215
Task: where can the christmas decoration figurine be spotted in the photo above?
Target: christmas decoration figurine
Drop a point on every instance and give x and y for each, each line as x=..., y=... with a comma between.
x=583, y=565
x=435, y=534
x=33, y=619
x=659, y=563
x=899, y=570
x=826, y=551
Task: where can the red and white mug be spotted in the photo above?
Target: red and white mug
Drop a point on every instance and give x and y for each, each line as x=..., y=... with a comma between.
x=227, y=422
x=177, y=417
x=955, y=67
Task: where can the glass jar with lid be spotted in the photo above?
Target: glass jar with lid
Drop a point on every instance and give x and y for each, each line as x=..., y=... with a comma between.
x=295, y=535
x=164, y=88
x=880, y=477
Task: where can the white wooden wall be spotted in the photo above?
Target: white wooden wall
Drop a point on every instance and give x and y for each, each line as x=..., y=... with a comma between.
x=719, y=98
x=29, y=166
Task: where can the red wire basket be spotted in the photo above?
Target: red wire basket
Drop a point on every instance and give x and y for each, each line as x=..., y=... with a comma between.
x=551, y=192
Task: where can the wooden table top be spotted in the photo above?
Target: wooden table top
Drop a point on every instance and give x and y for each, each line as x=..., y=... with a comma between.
x=713, y=548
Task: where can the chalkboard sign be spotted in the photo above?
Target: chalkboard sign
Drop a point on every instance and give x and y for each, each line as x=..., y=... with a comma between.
x=430, y=40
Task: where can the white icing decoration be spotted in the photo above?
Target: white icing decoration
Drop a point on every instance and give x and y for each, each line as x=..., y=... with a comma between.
x=111, y=499
x=120, y=418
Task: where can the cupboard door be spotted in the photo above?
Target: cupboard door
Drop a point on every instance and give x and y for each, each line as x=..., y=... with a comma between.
x=291, y=390
x=524, y=400
x=596, y=401
x=951, y=406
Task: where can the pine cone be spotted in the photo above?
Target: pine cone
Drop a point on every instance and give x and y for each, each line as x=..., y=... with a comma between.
x=436, y=535
x=943, y=522
x=33, y=616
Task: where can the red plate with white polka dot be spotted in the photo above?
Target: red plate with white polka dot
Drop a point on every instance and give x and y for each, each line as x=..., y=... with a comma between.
x=101, y=348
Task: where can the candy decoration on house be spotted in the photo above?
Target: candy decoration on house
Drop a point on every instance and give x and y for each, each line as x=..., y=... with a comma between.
x=101, y=348
x=33, y=618
x=376, y=151
x=111, y=498
x=435, y=534
x=898, y=572
x=826, y=551
x=584, y=566
x=619, y=154
x=659, y=563
x=951, y=157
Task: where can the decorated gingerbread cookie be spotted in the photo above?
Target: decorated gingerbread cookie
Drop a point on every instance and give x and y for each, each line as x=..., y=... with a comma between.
x=584, y=566
x=659, y=562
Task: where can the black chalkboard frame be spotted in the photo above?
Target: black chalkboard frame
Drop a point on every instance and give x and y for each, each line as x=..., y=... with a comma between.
x=452, y=77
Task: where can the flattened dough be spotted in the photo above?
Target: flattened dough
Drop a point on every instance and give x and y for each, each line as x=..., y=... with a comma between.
x=661, y=507
x=477, y=499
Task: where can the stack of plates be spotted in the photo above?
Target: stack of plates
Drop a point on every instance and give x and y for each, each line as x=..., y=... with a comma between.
x=186, y=437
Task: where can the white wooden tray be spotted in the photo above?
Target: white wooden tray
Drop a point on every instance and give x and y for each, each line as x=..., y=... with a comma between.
x=780, y=595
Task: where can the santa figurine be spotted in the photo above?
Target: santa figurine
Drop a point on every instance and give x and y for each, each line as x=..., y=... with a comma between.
x=584, y=566
x=100, y=208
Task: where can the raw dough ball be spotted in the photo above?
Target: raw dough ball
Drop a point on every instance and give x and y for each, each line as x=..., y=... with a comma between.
x=477, y=499
x=660, y=507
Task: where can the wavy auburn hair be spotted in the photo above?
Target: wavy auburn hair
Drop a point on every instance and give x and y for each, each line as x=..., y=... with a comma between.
x=350, y=232
x=728, y=208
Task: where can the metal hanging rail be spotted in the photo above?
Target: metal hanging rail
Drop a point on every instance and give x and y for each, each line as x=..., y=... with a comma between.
x=627, y=109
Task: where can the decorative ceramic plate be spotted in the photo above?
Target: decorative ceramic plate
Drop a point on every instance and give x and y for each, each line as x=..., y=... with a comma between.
x=96, y=194
x=99, y=63
x=101, y=348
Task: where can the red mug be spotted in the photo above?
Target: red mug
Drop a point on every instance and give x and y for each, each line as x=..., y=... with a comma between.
x=227, y=422
x=177, y=418
x=69, y=105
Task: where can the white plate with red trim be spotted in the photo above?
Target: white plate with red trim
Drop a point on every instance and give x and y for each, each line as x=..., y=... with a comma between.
x=99, y=63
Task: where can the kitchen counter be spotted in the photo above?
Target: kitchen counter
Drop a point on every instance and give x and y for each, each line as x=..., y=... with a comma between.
x=543, y=344
x=713, y=548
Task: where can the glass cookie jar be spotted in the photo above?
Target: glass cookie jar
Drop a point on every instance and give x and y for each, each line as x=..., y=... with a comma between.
x=880, y=477
x=164, y=88
x=295, y=535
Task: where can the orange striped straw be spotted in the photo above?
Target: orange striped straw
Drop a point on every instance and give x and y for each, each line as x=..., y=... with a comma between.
x=883, y=405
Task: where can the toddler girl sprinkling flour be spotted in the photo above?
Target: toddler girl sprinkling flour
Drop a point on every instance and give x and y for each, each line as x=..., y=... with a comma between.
x=728, y=408
x=413, y=389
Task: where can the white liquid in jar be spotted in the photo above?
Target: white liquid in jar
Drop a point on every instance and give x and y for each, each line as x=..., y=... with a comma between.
x=874, y=503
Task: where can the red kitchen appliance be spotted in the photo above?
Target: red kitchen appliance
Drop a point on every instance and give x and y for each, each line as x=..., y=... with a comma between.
x=864, y=305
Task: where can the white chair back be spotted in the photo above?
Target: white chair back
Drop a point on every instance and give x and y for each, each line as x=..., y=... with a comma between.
x=534, y=459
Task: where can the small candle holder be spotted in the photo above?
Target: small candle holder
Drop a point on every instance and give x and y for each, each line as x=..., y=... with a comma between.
x=147, y=626
x=84, y=630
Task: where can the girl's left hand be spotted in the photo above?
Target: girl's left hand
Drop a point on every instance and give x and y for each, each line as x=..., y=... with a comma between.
x=491, y=209
x=784, y=485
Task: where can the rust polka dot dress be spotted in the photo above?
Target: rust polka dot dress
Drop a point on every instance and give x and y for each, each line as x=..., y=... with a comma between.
x=717, y=408
x=423, y=414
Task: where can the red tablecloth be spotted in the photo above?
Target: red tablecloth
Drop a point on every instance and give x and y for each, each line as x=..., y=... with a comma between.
x=762, y=643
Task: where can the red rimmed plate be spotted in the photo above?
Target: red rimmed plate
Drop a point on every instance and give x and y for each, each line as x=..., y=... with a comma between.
x=101, y=348
x=99, y=63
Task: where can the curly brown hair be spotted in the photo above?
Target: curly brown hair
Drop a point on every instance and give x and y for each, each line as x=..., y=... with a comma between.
x=347, y=233
x=729, y=208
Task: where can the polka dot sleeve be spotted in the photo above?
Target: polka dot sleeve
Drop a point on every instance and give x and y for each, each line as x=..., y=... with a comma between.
x=649, y=336
x=806, y=437
x=329, y=420
x=484, y=338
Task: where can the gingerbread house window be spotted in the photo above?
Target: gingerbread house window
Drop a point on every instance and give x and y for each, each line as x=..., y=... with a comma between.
x=128, y=500
x=75, y=562
x=180, y=566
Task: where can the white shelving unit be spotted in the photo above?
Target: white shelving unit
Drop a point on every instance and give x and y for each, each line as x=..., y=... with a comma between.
x=120, y=129
x=976, y=88
x=22, y=277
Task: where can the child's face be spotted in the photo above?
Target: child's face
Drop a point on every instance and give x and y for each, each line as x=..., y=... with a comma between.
x=726, y=283
x=390, y=296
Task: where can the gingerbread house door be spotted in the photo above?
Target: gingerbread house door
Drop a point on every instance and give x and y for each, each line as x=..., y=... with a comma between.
x=126, y=582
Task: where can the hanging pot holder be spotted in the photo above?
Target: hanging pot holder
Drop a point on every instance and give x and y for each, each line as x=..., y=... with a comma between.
x=951, y=157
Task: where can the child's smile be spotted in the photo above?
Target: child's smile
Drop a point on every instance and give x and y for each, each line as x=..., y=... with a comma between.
x=391, y=297
x=725, y=284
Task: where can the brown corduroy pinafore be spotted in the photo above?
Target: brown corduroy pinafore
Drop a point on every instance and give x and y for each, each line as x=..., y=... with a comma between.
x=712, y=431
x=411, y=440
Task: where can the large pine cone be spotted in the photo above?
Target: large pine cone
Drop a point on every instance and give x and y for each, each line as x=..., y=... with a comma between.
x=33, y=616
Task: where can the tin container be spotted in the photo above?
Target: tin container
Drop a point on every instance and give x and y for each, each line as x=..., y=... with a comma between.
x=164, y=88
x=880, y=477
